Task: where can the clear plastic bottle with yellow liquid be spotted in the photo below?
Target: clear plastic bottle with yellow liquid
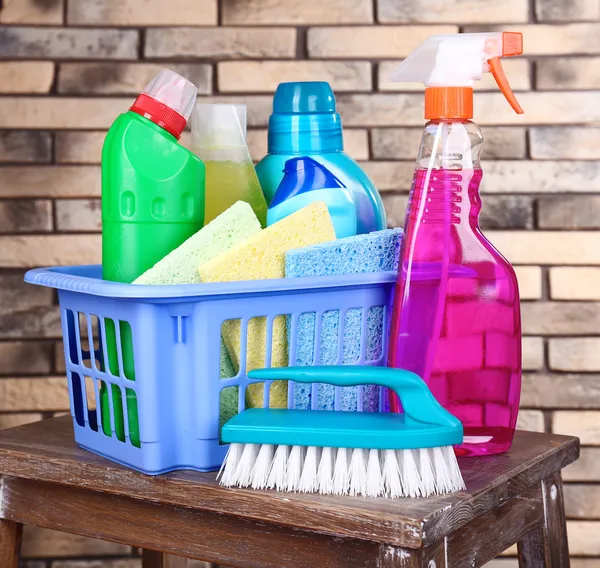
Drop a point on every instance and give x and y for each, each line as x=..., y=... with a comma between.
x=219, y=140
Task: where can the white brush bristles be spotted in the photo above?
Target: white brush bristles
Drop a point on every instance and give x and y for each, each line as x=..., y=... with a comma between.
x=260, y=471
x=243, y=471
x=411, y=480
x=294, y=468
x=325, y=472
x=309, y=480
x=440, y=468
x=358, y=473
x=455, y=475
x=277, y=477
x=343, y=471
x=227, y=471
x=375, y=479
x=391, y=474
x=427, y=477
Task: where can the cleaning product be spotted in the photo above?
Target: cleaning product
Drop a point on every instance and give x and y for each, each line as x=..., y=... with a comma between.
x=305, y=123
x=375, y=252
x=180, y=266
x=152, y=201
x=219, y=139
x=305, y=181
x=456, y=319
x=260, y=257
x=346, y=453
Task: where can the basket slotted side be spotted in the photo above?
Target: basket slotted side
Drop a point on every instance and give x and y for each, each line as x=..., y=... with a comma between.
x=176, y=333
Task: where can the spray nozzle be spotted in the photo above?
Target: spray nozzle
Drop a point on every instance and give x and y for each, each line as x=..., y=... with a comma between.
x=447, y=64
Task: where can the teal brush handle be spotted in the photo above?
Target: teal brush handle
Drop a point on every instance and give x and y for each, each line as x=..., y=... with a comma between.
x=417, y=401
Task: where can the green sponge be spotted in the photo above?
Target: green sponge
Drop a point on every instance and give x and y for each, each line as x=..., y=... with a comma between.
x=180, y=266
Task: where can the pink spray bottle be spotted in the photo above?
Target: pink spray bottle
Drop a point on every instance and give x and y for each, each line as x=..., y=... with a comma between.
x=456, y=320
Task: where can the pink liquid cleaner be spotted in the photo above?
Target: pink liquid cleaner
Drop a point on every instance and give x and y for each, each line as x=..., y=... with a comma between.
x=456, y=319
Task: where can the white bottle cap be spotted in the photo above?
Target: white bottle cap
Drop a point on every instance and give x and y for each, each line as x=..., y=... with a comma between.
x=174, y=91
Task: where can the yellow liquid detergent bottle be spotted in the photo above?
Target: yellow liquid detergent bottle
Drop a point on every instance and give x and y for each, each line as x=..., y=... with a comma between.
x=219, y=140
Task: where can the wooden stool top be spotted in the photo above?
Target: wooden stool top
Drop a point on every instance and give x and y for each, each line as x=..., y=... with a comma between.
x=46, y=451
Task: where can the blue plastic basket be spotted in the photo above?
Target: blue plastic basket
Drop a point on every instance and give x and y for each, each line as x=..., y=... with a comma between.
x=176, y=333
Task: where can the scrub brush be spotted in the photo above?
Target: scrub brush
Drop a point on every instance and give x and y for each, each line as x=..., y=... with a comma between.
x=346, y=453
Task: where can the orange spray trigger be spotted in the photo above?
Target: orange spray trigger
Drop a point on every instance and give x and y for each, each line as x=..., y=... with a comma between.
x=512, y=44
x=500, y=77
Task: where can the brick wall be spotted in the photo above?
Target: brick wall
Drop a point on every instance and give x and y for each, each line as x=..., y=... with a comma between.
x=68, y=67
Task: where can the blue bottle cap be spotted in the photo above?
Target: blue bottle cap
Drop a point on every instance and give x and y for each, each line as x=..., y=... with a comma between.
x=301, y=175
x=304, y=119
x=303, y=97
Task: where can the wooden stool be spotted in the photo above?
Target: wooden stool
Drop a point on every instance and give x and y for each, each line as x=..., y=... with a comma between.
x=46, y=480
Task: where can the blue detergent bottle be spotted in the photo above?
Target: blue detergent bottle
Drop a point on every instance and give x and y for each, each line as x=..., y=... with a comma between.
x=305, y=123
x=306, y=181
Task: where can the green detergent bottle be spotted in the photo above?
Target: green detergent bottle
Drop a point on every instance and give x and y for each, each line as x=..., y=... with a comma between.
x=152, y=201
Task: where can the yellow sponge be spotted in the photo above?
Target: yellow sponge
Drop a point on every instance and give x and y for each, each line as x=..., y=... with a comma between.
x=260, y=257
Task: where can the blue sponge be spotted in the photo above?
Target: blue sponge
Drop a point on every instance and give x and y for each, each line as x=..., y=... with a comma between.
x=373, y=252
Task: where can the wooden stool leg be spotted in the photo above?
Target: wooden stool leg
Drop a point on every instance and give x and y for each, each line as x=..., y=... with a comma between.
x=10, y=543
x=154, y=559
x=431, y=557
x=548, y=546
x=531, y=550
